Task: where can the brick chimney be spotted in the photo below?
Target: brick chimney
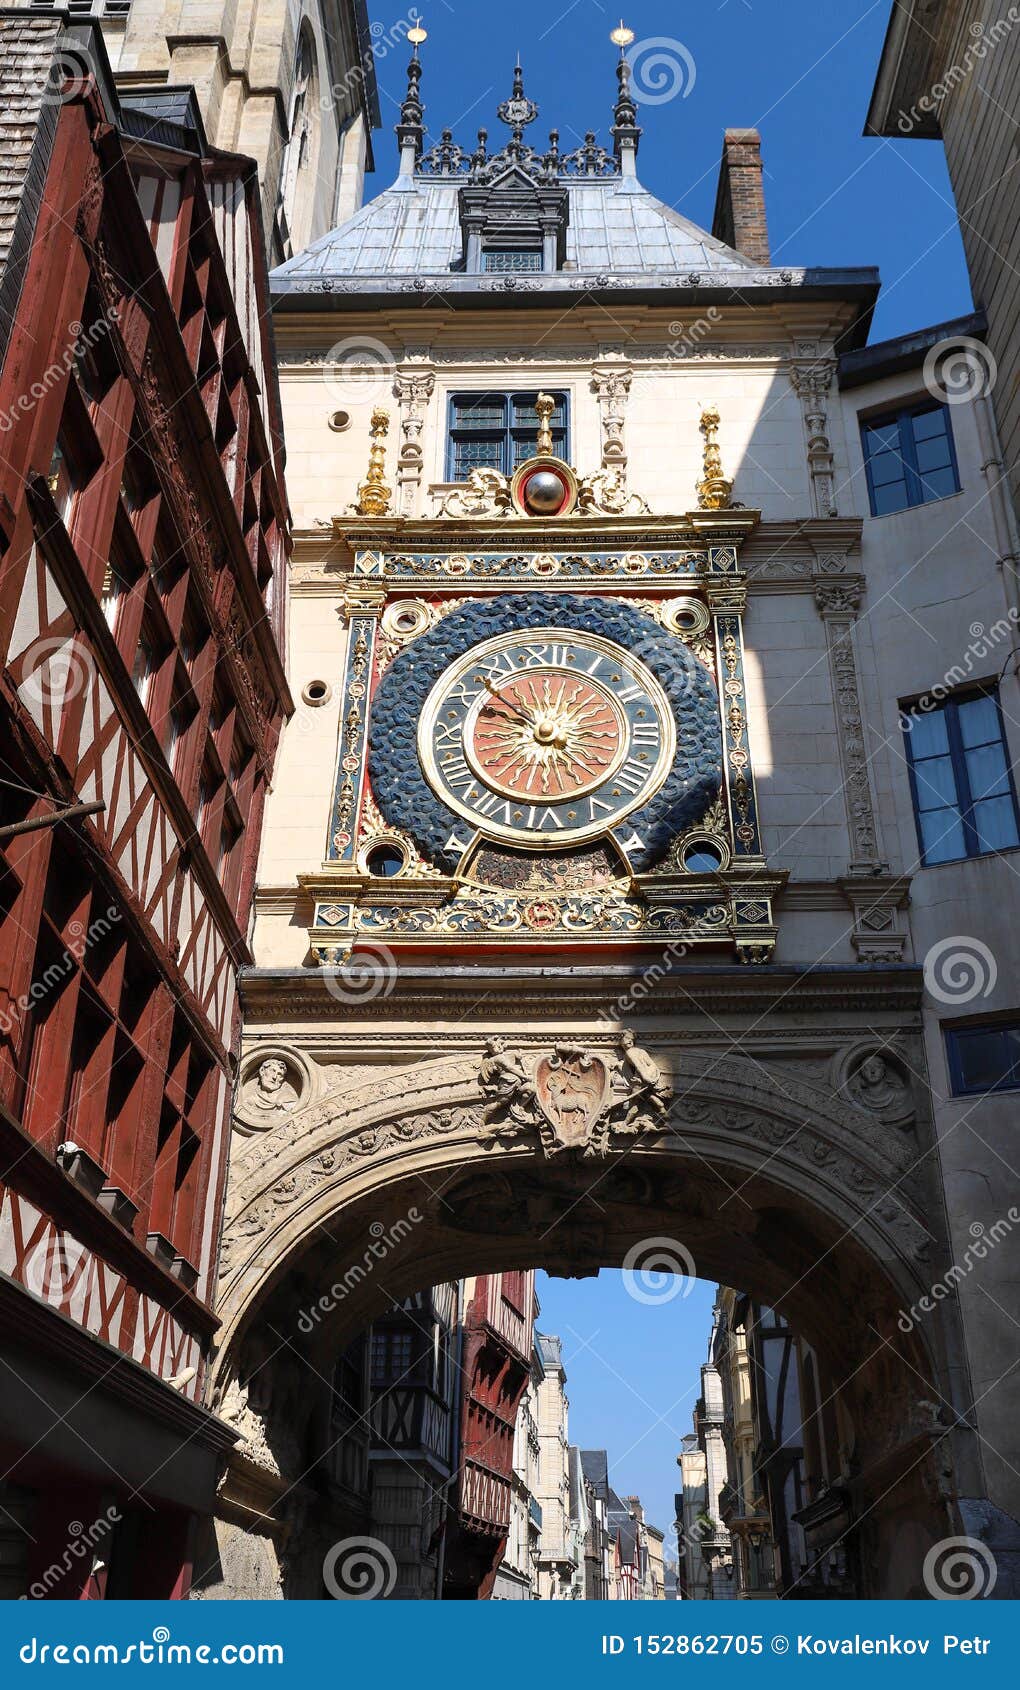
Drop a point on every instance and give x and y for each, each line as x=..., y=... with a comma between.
x=739, y=218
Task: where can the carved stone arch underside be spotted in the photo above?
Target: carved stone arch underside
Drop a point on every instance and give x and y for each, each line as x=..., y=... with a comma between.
x=805, y=1177
x=736, y=1149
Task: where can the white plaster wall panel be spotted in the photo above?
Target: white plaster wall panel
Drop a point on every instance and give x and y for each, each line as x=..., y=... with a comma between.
x=105, y=1306
x=794, y=737
x=298, y=813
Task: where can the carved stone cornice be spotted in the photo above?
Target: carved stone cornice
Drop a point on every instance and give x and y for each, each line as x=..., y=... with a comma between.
x=682, y=528
x=893, y=995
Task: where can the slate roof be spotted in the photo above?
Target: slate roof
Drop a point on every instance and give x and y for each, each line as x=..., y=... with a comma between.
x=550, y=1349
x=595, y=1467
x=620, y=241
x=413, y=229
x=28, y=46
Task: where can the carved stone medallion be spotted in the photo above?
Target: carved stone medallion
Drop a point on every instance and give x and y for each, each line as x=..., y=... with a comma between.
x=575, y=1098
x=572, y=1089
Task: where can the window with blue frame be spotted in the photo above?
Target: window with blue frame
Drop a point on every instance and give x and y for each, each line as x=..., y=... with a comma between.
x=499, y=431
x=984, y=1058
x=960, y=778
x=910, y=457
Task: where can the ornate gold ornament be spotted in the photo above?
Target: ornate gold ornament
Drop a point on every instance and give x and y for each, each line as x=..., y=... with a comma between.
x=373, y=495
x=606, y=494
x=545, y=405
x=486, y=492
x=714, y=491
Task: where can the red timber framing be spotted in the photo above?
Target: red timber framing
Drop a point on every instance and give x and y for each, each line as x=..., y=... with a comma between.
x=143, y=548
x=498, y=1330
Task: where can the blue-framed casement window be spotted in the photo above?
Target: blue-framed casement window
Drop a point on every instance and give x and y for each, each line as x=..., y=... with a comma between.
x=960, y=777
x=498, y=431
x=910, y=457
x=983, y=1059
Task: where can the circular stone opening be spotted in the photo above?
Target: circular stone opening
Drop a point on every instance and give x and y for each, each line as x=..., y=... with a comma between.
x=702, y=858
x=384, y=861
x=340, y=421
x=316, y=693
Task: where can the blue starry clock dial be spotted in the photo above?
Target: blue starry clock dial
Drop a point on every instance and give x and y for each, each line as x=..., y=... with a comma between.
x=547, y=737
x=542, y=721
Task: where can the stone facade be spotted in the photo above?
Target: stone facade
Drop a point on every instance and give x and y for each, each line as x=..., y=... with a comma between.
x=517, y=1578
x=763, y=1039
x=560, y=1572
x=949, y=71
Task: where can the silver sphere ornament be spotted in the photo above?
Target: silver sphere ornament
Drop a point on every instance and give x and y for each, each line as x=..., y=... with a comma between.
x=544, y=493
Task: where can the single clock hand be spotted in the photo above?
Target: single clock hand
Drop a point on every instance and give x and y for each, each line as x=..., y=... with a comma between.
x=495, y=693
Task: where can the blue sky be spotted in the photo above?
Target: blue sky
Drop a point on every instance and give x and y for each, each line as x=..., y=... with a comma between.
x=799, y=70
x=633, y=1376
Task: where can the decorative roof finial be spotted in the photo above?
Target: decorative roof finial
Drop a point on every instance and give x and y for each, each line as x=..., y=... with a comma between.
x=373, y=495
x=714, y=491
x=411, y=128
x=518, y=111
x=625, y=131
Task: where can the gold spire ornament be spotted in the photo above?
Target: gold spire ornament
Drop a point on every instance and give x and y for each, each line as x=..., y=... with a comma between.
x=713, y=490
x=373, y=495
x=545, y=405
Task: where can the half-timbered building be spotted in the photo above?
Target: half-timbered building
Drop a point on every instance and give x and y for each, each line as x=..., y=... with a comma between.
x=143, y=541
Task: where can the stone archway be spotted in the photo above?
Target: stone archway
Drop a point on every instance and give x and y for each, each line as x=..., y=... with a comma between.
x=791, y=1172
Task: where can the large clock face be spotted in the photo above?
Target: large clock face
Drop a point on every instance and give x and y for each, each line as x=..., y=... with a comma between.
x=547, y=736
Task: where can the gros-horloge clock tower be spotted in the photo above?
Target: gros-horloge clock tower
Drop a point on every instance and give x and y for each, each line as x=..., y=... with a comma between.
x=583, y=910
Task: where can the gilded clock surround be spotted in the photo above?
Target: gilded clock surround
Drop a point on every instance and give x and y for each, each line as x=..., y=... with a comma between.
x=430, y=600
